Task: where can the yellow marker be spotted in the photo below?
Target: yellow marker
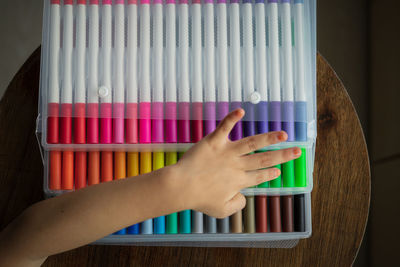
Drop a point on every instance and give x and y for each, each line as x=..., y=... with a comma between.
x=133, y=164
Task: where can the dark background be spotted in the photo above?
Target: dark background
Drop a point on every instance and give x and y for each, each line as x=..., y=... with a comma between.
x=361, y=40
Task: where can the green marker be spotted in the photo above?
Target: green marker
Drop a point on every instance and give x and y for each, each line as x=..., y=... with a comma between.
x=265, y=184
x=276, y=183
x=184, y=216
x=288, y=174
x=300, y=168
x=172, y=219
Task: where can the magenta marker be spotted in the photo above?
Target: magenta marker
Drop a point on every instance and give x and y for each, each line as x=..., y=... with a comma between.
x=105, y=90
x=183, y=83
x=171, y=135
x=157, y=120
x=145, y=94
x=197, y=83
x=93, y=83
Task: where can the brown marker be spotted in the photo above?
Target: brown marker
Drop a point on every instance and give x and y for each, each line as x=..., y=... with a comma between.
x=275, y=214
x=261, y=214
x=236, y=222
x=287, y=214
x=249, y=216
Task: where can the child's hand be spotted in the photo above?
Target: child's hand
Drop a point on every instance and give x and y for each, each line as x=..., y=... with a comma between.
x=211, y=173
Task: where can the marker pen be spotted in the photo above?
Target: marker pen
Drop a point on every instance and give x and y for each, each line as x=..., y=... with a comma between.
x=120, y=173
x=118, y=90
x=132, y=97
x=158, y=163
x=80, y=96
x=184, y=86
x=236, y=90
x=132, y=83
x=133, y=170
x=184, y=216
x=183, y=83
x=249, y=120
x=209, y=92
x=119, y=67
x=262, y=106
x=53, y=96
x=93, y=98
x=144, y=82
x=287, y=112
x=301, y=115
x=105, y=92
x=197, y=94
x=172, y=219
x=274, y=105
x=158, y=99
x=146, y=227
x=223, y=83
x=67, y=181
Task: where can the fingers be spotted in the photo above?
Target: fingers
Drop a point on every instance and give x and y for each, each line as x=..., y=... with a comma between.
x=267, y=159
x=227, y=124
x=261, y=176
x=238, y=202
x=252, y=143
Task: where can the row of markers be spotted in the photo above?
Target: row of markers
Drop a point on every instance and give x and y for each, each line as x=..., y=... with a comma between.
x=190, y=108
x=262, y=214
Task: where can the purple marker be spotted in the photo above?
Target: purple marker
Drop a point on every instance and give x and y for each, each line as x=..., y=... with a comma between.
x=236, y=89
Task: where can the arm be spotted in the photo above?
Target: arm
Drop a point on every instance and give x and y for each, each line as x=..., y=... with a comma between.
x=208, y=179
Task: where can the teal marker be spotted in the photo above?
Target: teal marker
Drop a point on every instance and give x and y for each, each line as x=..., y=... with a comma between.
x=184, y=216
x=172, y=219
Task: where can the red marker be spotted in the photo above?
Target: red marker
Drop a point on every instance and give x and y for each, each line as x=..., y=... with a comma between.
x=53, y=97
x=80, y=95
x=67, y=181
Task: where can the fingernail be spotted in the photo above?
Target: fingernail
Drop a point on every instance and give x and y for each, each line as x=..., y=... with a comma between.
x=297, y=151
x=277, y=172
x=282, y=136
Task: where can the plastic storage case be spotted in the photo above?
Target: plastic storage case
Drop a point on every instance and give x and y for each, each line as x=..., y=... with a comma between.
x=129, y=76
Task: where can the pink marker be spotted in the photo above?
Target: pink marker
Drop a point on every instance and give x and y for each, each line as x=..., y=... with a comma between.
x=145, y=94
x=105, y=90
x=119, y=90
x=132, y=90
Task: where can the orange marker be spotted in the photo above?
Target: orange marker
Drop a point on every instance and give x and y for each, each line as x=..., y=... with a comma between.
x=94, y=168
x=119, y=165
x=106, y=166
x=67, y=181
x=120, y=173
x=55, y=170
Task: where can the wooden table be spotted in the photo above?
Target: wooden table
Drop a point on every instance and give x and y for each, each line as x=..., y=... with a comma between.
x=340, y=199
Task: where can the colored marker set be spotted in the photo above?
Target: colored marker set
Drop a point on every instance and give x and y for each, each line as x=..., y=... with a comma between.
x=127, y=86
